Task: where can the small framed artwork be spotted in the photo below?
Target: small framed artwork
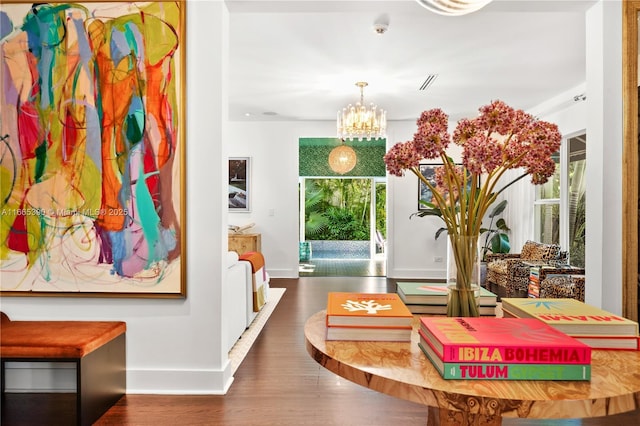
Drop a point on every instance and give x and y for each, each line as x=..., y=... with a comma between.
x=424, y=192
x=240, y=184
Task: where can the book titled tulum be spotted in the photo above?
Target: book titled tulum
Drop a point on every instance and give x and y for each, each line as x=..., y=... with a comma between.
x=503, y=371
x=368, y=316
x=596, y=327
x=501, y=341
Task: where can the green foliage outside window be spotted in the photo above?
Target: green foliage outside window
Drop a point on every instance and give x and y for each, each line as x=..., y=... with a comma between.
x=339, y=209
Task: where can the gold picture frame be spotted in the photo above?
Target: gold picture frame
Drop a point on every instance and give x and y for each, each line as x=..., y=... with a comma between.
x=93, y=150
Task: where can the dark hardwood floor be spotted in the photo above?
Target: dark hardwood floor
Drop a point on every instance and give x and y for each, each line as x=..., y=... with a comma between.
x=279, y=384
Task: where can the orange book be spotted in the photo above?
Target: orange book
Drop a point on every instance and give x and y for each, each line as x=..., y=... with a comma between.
x=367, y=310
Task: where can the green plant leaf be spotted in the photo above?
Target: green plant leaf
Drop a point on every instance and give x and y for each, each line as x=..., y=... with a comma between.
x=500, y=243
x=315, y=224
x=440, y=231
x=498, y=209
x=502, y=225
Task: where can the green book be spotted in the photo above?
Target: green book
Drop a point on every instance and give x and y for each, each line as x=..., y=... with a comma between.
x=496, y=371
x=421, y=293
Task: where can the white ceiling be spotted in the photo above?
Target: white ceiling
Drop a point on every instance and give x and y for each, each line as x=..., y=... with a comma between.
x=300, y=60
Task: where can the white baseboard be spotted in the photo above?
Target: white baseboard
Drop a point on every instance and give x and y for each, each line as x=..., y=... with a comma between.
x=424, y=274
x=46, y=377
x=179, y=382
x=283, y=273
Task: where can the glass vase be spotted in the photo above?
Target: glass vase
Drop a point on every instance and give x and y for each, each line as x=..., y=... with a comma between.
x=463, y=276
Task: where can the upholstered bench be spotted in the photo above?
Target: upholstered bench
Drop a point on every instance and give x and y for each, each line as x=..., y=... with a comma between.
x=97, y=348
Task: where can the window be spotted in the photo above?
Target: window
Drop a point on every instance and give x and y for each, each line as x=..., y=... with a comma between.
x=560, y=203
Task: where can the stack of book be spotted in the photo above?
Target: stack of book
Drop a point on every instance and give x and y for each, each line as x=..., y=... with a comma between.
x=431, y=298
x=502, y=349
x=368, y=316
x=594, y=326
x=533, y=289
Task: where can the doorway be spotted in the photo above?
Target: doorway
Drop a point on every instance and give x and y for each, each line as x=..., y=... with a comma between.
x=342, y=226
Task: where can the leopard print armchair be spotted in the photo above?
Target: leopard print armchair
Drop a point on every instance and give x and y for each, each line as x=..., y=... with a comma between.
x=509, y=271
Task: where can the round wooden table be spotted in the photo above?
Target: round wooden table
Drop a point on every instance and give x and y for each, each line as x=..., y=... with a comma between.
x=400, y=369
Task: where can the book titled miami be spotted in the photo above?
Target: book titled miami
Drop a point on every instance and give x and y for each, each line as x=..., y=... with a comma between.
x=367, y=310
x=571, y=316
x=493, y=371
x=436, y=294
x=502, y=341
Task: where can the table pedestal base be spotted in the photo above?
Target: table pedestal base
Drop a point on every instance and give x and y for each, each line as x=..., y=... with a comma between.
x=444, y=417
x=473, y=410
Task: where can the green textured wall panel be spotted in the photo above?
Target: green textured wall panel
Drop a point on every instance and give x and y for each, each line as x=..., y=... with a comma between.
x=314, y=156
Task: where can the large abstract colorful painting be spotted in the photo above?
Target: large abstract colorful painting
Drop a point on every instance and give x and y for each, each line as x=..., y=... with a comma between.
x=92, y=151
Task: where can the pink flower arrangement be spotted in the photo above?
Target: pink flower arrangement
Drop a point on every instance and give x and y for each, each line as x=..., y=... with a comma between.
x=499, y=139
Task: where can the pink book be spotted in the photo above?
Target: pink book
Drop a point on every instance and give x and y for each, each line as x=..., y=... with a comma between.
x=502, y=341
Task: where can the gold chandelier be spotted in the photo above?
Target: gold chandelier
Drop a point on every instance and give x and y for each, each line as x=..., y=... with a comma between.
x=360, y=121
x=453, y=7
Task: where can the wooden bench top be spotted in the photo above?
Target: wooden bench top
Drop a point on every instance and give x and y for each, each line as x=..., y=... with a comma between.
x=55, y=339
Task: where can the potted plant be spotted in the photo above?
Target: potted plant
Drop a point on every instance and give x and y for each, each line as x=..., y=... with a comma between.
x=496, y=239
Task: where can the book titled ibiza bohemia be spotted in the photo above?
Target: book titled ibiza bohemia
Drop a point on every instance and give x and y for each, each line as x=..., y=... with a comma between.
x=501, y=341
x=503, y=371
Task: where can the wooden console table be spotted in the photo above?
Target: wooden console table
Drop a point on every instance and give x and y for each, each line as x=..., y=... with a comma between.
x=243, y=243
x=403, y=371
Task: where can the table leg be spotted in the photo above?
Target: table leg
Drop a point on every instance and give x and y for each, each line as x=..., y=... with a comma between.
x=443, y=417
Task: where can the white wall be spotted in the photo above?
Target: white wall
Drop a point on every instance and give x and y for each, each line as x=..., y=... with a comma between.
x=412, y=247
x=174, y=346
x=603, y=256
x=601, y=117
x=273, y=148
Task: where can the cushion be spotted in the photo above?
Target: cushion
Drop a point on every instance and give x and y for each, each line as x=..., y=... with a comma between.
x=499, y=266
x=563, y=286
x=538, y=251
x=56, y=339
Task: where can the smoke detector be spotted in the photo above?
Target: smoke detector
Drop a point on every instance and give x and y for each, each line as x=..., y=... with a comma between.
x=381, y=24
x=380, y=28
